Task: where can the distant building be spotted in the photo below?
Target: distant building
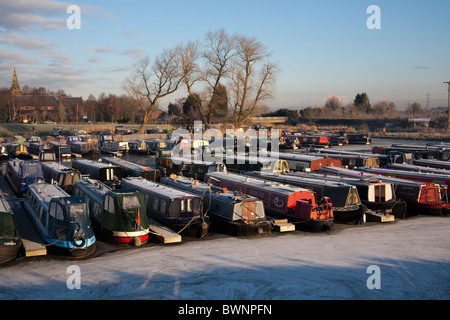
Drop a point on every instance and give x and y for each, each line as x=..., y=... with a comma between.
x=40, y=108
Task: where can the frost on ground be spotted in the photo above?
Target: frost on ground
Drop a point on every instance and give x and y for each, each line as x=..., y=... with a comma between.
x=413, y=257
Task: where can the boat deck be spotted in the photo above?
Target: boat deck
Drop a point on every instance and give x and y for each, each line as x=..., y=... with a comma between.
x=32, y=242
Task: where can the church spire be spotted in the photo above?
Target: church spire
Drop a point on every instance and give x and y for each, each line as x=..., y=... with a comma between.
x=15, y=88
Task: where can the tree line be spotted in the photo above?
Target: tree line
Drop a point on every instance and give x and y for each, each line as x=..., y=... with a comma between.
x=224, y=75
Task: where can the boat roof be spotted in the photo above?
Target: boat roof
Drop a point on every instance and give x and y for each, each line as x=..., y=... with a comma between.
x=47, y=191
x=125, y=163
x=4, y=205
x=92, y=163
x=53, y=165
x=154, y=187
x=257, y=182
x=293, y=178
x=203, y=188
x=362, y=174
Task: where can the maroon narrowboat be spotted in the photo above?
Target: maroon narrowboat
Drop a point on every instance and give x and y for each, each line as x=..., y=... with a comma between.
x=296, y=204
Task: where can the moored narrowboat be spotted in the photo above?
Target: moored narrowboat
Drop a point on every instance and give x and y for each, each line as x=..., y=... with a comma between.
x=61, y=150
x=192, y=169
x=9, y=238
x=378, y=196
x=22, y=173
x=85, y=149
x=420, y=197
x=61, y=220
x=131, y=169
x=66, y=177
x=105, y=172
x=234, y=213
x=18, y=151
x=347, y=206
x=299, y=205
x=304, y=162
x=119, y=214
x=139, y=147
x=178, y=210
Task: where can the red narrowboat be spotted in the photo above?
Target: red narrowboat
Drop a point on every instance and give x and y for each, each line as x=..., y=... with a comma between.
x=306, y=163
x=420, y=197
x=313, y=140
x=296, y=204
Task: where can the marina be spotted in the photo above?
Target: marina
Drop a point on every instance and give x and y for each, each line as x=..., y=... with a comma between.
x=162, y=235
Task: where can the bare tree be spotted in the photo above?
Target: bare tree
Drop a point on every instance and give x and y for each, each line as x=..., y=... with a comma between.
x=250, y=87
x=149, y=83
x=209, y=67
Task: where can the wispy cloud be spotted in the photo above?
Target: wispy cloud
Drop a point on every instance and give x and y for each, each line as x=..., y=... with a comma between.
x=40, y=15
x=17, y=41
x=420, y=67
x=135, y=53
x=101, y=49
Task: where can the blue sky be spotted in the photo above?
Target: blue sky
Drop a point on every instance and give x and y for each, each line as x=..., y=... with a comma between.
x=323, y=47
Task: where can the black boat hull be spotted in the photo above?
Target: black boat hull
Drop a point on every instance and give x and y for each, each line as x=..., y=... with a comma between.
x=197, y=227
x=240, y=228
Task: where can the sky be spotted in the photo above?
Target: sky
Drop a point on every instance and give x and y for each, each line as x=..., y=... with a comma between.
x=323, y=47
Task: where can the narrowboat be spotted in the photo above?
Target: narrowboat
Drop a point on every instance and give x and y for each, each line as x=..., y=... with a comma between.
x=10, y=241
x=3, y=153
x=105, y=172
x=419, y=151
x=347, y=206
x=61, y=150
x=18, y=151
x=194, y=169
x=378, y=196
x=428, y=177
x=131, y=169
x=109, y=145
x=46, y=155
x=420, y=197
x=244, y=163
x=289, y=142
x=119, y=214
x=139, y=147
x=65, y=177
x=433, y=164
x=160, y=148
x=35, y=147
x=304, y=162
x=416, y=168
x=22, y=173
x=85, y=149
x=178, y=210
x=356, y=138
x=299, y=205
x=308, y=140
x=61, y=220
x=234, y=214
x=352, y=161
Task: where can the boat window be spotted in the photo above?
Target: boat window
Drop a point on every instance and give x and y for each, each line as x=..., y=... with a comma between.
x=109, y=204
x=7, y=225
x=189, y=205
x=183, y=206
x=131, y=202
x=380, y=193
x=77, y=210
x=155, y=203
x=162, y=206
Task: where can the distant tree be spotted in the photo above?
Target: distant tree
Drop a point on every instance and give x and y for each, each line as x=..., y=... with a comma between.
x=191, y=107
x=334, y=103
x=149, y=83
x=414, y=108
x=362, y=102
x=384, y=108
